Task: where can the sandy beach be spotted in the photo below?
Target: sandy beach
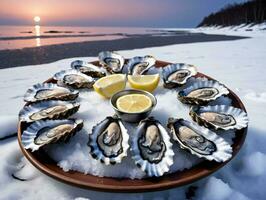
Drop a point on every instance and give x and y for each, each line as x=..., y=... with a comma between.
x=51, y=53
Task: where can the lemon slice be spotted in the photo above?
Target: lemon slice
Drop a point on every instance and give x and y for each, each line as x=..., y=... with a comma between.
x=133, y=103
x=109, y=85
x=144, y=82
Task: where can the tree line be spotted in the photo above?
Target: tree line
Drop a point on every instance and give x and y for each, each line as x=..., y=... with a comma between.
x=253, y=11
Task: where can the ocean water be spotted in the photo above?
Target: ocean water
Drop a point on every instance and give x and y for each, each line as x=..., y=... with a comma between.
x=17, y=37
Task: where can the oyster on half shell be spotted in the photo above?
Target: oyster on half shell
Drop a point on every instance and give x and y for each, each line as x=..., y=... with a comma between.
x=151, y=148
x=219, y=117
x=49, y=91
x=74, y=79
x=177, y=74
x=108, y=141
x=202, y=92
x=140, y=65
x=48, y=110
x=43, y=132
x=199, y=141
x=112, y=61
x=88, y=69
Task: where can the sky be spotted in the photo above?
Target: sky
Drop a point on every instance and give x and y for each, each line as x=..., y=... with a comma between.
x=135, y=13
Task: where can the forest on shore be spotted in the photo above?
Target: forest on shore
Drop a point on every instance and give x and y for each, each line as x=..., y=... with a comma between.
x=250, y=12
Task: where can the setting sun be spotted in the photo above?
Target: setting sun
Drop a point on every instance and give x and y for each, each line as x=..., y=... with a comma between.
x=37, y=19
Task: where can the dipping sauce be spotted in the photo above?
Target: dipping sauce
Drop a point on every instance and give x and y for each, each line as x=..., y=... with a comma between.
x=134, y=103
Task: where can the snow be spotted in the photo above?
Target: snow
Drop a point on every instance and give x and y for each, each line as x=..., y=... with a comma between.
x=239, y=64
x=8, y=124
x=240, y=30
x=216, y=189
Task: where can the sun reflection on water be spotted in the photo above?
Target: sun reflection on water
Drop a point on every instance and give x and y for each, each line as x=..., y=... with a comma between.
x=38, y=34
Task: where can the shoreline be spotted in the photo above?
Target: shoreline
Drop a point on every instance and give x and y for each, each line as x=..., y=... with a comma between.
x=51, y=53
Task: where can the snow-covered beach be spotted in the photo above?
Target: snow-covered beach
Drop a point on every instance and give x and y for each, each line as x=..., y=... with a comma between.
x=239, y=64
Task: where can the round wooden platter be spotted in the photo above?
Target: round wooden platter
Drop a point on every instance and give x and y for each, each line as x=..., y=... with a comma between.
x=180, y=178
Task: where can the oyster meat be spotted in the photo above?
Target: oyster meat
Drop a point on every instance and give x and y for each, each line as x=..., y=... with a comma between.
x=43, y=132
x=140, y=65
x=202, y=92
x=199, y=141
x=151, y=148
x=219, y=117
x=49, y=91
x=48, y=110
x=88, y=69
x=112, y=61
x=177, y=74
x=108, y=141
x=74, y=79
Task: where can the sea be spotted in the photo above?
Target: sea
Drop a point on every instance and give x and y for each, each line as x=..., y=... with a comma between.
x=18, y=37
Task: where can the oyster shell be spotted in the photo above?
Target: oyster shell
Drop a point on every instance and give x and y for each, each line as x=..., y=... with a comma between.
x=202, y=92
x=112, y=61
x=74, y=79
x=48, y=110
x=140, y=65
x=43, y=132
x=199, y=141
x=88, y=68
x=108, y=141
x=219, y=117
x=151, y=148
x=177, y=74
x=49, y=91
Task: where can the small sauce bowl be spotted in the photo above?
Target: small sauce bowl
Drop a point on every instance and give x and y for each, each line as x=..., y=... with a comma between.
x=132, y=117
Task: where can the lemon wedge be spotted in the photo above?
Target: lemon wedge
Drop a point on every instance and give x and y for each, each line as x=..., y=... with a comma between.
x=109, y=85
x=144, y=82
x=133, y=103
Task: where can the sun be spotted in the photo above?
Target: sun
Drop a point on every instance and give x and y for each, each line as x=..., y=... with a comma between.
x=37, y=19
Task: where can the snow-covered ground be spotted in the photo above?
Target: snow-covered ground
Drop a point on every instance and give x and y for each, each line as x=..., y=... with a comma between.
x=239, y=64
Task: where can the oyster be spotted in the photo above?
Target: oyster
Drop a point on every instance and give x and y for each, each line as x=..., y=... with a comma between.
x=48, y=110
x=202, y=92
x=199, y=141
x=88, y=69
x=140, y=65
x=43, y=132
x=112, y=61
x=74, y=79
x=49, y=91
x=108, y=141
x=219, y=117
x=175, y=75
x=151, y=148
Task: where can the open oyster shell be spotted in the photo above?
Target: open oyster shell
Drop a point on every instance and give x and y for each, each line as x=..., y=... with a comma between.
x=151, y=148
x=140, y=65
x=48, y=110
x=177, y=74
x=43, y=132
x=112, y=61
x=202, y=92
x=88, y=69
x=49, y=91
x=199, y=141
x=219, y=117
x=74, y=79
x=108, y=141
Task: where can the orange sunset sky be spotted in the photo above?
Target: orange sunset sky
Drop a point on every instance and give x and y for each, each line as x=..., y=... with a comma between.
x=167, y=13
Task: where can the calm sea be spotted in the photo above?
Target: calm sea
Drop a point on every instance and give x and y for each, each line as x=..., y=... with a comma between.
x=17, y=37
